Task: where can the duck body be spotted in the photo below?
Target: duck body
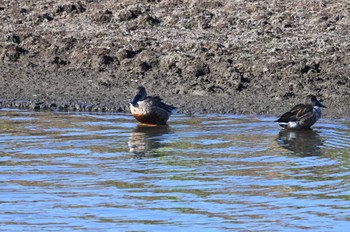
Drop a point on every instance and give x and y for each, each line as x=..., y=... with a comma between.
x=302, y=116
x=150, y=109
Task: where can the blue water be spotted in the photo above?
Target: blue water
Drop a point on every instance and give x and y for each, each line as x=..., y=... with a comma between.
x=104, y=172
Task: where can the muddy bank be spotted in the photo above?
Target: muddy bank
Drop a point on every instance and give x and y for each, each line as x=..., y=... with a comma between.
x=250, y=57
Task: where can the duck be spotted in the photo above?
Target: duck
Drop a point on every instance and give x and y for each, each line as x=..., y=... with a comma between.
x=302, y=116
x=150, y=109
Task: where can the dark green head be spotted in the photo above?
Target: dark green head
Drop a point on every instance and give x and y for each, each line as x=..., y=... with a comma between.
x=140, y=95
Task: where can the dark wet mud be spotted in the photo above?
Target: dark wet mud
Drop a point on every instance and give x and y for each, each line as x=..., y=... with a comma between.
x=250, y=57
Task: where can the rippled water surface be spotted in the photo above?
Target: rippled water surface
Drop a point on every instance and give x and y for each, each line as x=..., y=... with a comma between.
x=104, y=172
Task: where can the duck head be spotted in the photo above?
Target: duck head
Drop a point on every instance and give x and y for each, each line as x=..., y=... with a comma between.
x=140, y=95
x=312, y=100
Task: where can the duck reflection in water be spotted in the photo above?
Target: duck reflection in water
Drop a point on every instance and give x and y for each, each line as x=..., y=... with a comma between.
x=302, y=143
x=146, y=139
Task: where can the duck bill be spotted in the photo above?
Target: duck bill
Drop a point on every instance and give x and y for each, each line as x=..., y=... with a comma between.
x=135, y=99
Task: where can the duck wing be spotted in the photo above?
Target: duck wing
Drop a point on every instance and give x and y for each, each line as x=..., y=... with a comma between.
x=306, y=111
x=158, y=102
x=296, y=113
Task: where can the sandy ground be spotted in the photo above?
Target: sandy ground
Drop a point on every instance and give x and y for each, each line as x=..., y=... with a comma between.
x=225, y=56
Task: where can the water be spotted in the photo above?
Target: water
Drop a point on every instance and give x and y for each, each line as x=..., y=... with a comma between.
x=104, y=172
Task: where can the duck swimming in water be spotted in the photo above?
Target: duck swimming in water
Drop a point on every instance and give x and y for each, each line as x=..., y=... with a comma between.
x=302, y=116
x=150, y=109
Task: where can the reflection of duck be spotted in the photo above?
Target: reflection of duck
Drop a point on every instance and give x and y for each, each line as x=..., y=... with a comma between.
x=303, y=143
x=302, y=116
x=144, y=139
x=150, y=109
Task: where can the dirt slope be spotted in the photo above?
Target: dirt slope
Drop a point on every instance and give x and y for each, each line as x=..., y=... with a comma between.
x=252, y=57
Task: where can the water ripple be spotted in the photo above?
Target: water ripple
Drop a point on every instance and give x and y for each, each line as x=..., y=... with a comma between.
x=82, y=171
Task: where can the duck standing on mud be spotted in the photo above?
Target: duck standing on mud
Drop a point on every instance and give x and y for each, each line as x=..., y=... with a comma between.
x=302, y=116
x=150, y=109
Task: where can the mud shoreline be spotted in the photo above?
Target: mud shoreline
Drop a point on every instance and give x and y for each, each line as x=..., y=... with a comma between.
x=236, y=57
